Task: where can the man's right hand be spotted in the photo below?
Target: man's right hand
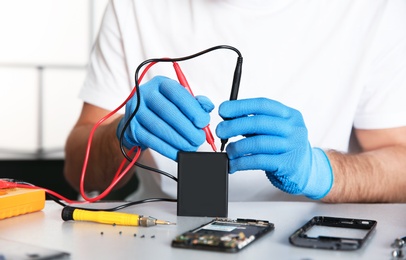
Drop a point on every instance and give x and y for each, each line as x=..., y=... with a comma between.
x=169, y=118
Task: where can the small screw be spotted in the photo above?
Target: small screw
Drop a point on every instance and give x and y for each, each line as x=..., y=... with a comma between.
x=135, y=235
x=101, y=233
x=398, y=243
x=397, y=253
x=142, y=236
x=153, y=236
x=114, y=224
x=120, y=232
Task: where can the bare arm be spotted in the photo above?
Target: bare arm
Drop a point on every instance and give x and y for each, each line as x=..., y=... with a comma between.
x=105, y=155
x=378, y=174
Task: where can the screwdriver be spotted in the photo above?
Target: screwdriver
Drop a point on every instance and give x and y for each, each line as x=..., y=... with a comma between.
x=113, y=218
x=185, y=84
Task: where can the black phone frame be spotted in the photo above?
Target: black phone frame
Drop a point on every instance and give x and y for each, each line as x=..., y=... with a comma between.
x=299, y=237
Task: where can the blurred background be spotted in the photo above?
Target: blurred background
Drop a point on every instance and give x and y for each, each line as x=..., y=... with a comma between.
x=44, y=49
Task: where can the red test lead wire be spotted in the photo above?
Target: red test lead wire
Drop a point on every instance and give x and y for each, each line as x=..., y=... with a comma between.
x=183, y=82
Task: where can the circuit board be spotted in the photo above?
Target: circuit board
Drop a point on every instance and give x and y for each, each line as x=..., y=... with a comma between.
x=224, y=235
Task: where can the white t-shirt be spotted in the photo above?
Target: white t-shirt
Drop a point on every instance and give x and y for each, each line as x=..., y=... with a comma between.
x=342, y=63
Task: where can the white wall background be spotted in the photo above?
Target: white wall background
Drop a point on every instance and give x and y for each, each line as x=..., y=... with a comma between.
x=44, y=49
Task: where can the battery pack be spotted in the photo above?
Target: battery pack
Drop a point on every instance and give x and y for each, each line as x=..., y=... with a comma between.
x=18, y=201
x=202, y=184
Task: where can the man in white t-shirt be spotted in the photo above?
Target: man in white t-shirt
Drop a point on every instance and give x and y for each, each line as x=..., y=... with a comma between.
x=314, y=73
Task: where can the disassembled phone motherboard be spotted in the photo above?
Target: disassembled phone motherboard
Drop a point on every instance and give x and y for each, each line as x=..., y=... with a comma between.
x=224, y=235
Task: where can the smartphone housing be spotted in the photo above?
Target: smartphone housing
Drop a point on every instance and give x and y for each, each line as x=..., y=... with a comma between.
x=339, y=233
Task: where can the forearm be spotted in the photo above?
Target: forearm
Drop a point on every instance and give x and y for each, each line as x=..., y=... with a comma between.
x=104, y=160
x=374, y=176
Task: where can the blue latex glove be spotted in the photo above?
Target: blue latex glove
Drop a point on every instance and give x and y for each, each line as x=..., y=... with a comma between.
x=276, y=142
x=169, y=118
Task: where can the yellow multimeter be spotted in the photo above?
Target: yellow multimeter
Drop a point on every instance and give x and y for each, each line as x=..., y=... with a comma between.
x=18, y=201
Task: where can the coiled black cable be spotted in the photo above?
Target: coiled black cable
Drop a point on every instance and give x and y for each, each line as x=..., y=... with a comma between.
x=233, y=95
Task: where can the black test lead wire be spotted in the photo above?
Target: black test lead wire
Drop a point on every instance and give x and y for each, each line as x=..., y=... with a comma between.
x=233, y=95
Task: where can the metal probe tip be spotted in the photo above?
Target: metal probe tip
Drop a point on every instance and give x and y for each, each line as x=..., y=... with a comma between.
x=222, y=146
x=213, y=146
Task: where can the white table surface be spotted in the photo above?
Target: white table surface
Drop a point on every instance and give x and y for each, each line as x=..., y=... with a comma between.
x=83, y=240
